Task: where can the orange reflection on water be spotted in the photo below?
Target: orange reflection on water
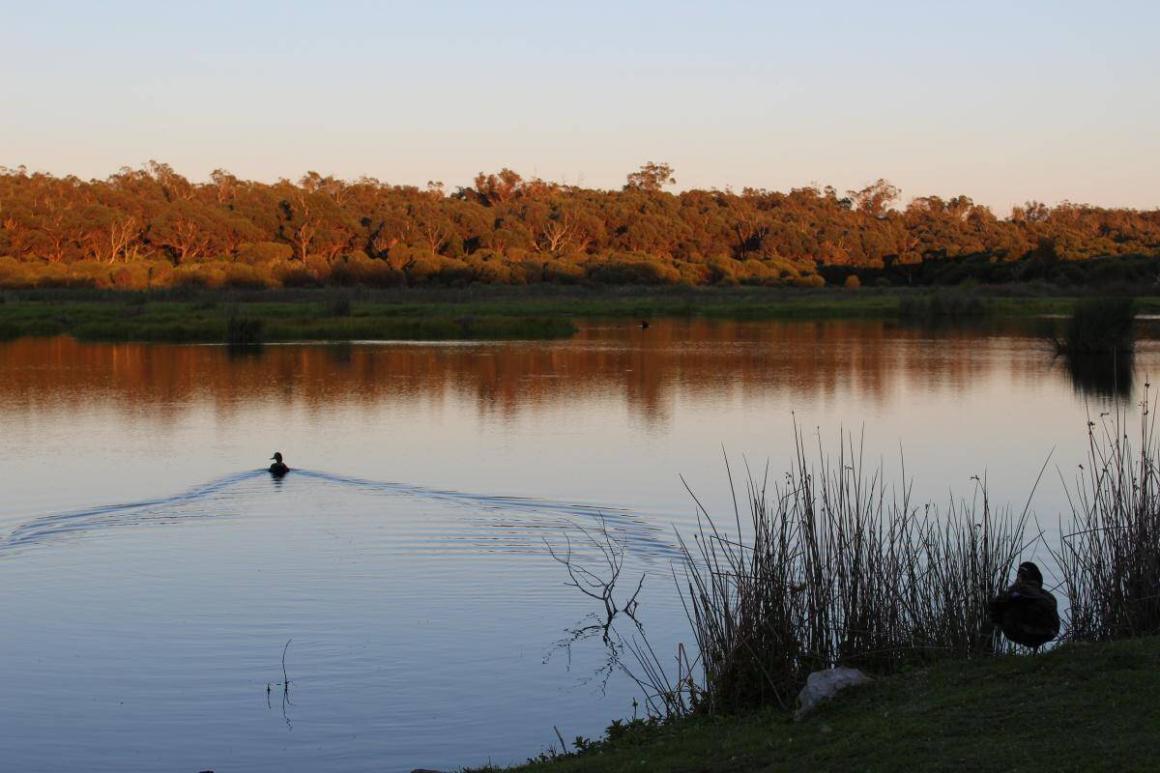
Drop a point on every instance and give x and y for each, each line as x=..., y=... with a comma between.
x=700, y=359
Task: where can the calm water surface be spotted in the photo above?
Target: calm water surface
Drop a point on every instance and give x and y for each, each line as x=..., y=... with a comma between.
x=151, y=574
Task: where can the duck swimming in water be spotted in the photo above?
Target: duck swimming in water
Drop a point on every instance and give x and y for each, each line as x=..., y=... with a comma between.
x=278, y=469
x=1025, y=612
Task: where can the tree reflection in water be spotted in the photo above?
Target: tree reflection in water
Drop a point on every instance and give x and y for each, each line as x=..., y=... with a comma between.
x=1102, y=374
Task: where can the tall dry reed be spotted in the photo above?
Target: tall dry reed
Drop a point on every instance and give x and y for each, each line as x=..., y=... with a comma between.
x=835, y=567
x=1109, y=552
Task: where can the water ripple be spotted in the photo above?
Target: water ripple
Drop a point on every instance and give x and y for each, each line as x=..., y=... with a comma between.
x=503, y=514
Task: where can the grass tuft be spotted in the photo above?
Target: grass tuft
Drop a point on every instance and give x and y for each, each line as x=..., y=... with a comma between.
x=834, y=569
x=940, y=306
x=1109, y=552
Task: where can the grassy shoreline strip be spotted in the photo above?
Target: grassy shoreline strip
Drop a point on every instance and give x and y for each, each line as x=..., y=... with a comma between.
x=1080, y=707
x=352, y=315
x=196, y=323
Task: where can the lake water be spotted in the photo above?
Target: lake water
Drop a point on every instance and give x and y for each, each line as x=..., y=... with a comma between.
x=151, y=574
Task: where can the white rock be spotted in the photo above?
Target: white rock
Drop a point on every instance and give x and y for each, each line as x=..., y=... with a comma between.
x=823, y=685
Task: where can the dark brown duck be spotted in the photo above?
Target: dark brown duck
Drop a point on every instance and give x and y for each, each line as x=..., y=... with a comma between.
x=278, y=469
x=1025, y=612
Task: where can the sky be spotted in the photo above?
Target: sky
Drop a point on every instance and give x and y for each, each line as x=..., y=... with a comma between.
x=1001, y=101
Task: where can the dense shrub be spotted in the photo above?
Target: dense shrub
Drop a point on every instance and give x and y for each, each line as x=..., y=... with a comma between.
x=633, y=269
x=265, y=252
x=1100, y=325
x=534, y=231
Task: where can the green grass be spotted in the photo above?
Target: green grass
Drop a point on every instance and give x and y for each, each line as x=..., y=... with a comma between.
x=1081, y=707
x=207, y=321
x=473, y=312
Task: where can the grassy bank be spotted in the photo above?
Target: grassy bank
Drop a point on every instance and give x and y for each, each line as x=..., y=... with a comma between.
x=476, y=312
x=207, y=320
x=1081, y=707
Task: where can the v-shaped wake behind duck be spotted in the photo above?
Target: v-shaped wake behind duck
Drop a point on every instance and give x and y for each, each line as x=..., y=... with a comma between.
x=1025, y=612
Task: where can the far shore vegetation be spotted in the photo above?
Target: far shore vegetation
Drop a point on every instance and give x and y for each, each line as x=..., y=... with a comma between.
x=150, y=228
x=147, y=254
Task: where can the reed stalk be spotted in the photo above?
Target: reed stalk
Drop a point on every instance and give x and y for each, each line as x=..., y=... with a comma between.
x=834, y=567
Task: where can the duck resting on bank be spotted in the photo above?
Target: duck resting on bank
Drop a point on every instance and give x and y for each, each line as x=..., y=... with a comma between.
x=1025, y=612
x=278, y=469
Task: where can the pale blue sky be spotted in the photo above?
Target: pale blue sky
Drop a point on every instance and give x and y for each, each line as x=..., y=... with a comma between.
x=1002, y=101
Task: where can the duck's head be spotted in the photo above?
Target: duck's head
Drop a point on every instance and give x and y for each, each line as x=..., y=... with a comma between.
x=277, y=457
x=1029, y=573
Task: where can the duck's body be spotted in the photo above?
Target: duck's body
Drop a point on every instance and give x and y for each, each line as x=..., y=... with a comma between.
x=278, y=468
x=1025, y=612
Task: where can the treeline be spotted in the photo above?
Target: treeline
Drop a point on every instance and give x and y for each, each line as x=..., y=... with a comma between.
x=151, y=227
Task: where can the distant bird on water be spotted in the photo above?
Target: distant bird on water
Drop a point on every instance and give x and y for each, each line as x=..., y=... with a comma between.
x=644, y=324
x=278, y=469
x=1025, y=612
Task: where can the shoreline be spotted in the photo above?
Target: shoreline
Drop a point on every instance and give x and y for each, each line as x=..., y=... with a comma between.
x=1092, y=706
x=481, y=313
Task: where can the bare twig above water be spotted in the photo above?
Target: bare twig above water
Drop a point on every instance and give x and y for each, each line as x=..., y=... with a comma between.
x=285, y=678
x=285, y=685
x=599, y=583
x=600, y=586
